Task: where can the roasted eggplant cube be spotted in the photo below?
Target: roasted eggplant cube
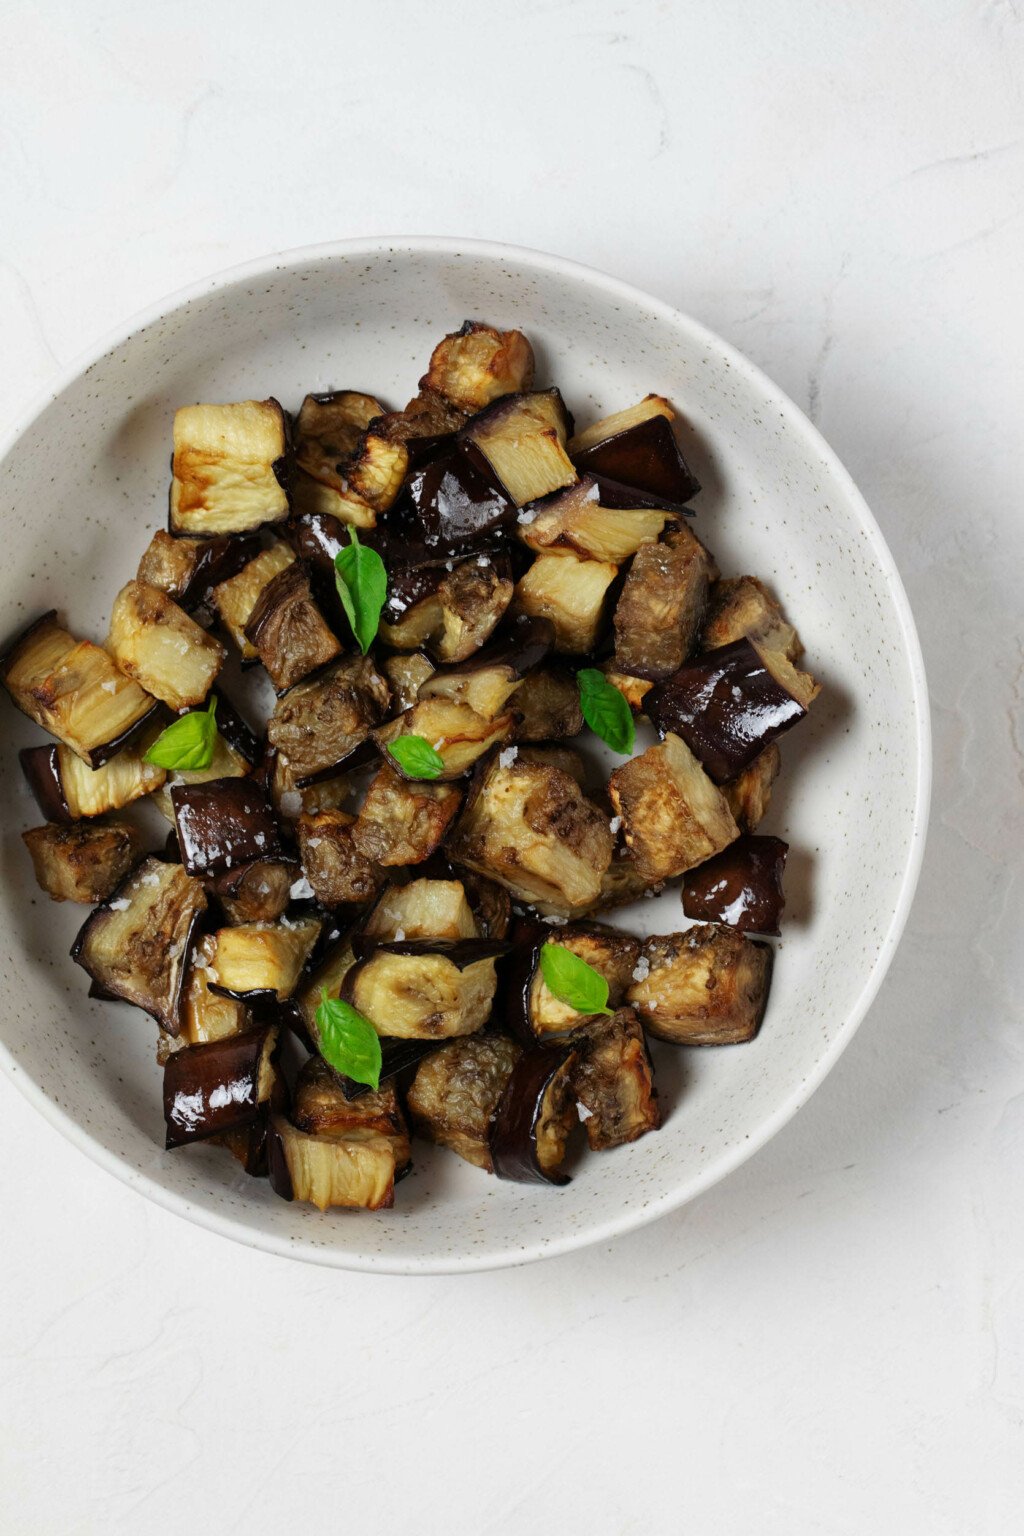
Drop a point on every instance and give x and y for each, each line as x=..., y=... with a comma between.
x=484, y=687
x=452, y=615
x=673, y=815
x=188, y=569
x=623, y=883
x=227, y=762
x=741, y=886
x=137, y=945
x=614, y=1081
x=340, y=874
x=477, y=364
x=564, y=758
x=328, y=430
x=637, y=447
x=259, y=892
x=406, y=672
x=729, y=704
x=421, y=996
x=547, y=703
x=85, y=861
x=423, y=909
x=289, y=631
x=530, y=827
x=403, y=822
x=73, y=689
x=457, y=733
x=222, y=824
x=633, y=689
x=155, y=642
x=662, y=604
x=354, y=1174
x=743, y=606
x=534, y=1118
x=455, y=508
x=292, y=800
x=572, y=593
x=320, y=1108
x=750, y=793
x=207, y=1015
x=236, y=599
x=66, y=788
x=456, y=1091
x=264, y=957
x=574, y=521
x=612, y=954
x=707, y=986
x=227, y=468
x=319, y=723
x=219, y=1087
x=522, y=440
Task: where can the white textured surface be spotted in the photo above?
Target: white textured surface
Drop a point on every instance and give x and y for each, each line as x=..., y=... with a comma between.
x=832, y=1340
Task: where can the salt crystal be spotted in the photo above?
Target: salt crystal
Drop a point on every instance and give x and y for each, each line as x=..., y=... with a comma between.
x=399, y=935
x=507, y=757
x=554, y=922
x=615, y=824
x=583, y=1112
x=121, y=905
x=301, y=890
x=291, y=802
x=526, y=516
x=642, y=969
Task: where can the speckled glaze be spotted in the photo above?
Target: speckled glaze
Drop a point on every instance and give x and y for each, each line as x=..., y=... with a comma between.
x=84, y=484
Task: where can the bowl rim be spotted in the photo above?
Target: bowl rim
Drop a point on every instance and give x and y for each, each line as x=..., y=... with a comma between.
x=629, y=1219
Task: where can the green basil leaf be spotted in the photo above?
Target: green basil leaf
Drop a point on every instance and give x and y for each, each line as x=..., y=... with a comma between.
x=572, y=980
x=188, y=742
x=362, y=584
x=605, y=710
x=416, y=757
x=348, y=1042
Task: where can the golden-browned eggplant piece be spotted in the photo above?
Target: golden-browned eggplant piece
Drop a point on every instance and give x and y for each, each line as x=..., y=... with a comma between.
x=427, y=421
x=476, y=365
x=74, y=690
x=522, y=440
x=532, y=1011
x=614, y=1081
x=328, y=430
x=633, y=689
x=637, y=447
x=207, y=1015
x=220, y=1086
x=423, y=909
x=707, y=986
x=403, y=821
x=563, y=758
x=258, y=892
x=457, y=733
x=534, y=1118
x=264, y=957
x=340, y=874
x=188, y=569
x=743, y=606
x=548, y=705
x=452, y=614
x=291, y=800
x=572, y=593
x=485, y=687
x=456, y=1091
x=673, y=815
x=136, y=945
x=236, y=599
x=662, y=604
x=319, y=723
x=66, y=788
x=155, y=642
x=750, y=793
x=406, y=672
x=320, y=1108
x=575, y=522
x=229, y=468
x=741, y=886
x=530, y=827
x=289, y=631
x=85, y=861
x=729, y=704
x=622, y=883
x=424, y=989
x=355, y=1174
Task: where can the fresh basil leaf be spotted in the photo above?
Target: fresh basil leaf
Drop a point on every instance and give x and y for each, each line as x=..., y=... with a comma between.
x=348, y=1042
x=188, y=742
x=362, y=584
x=605, y=710
x=416, y=757
x=572, y=980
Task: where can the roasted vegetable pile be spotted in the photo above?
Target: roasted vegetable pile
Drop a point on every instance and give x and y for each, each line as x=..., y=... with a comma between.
x=377, y=917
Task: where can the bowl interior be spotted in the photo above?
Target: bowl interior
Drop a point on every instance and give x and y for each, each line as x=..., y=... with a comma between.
x=84, y=487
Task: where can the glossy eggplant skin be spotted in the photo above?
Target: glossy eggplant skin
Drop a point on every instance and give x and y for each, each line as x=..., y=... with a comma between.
x=457, y=507
x=726, y=706
x=613, y=494
x=741, y=886
x=218, y=1087
x=459, y=952
x=213, y=560
x=223, y=823
x=41, y=767
x=515, y=976
x=646, y=456
x=537, y=1075
x=240, y=736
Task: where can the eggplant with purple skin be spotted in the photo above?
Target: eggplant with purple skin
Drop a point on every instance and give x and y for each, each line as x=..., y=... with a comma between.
x=453, y=508
x=456, y=1090
x=85, y=861
x=236, y=753
x=319, y=723
x=729, y=705
x=353, y=1173
x=235, y=599
x=288, y=630
x=530, y=1128
x=188, y=569
x=614, y=1082
x=532, y=1011
x=450, y=614
x=219, y=1087
x=74, y=690
x=136, y=946
x=637, y=447
x=575, y=520
x=230, y=468
x=66, y=788
x=320, y=1107
x=259, y=892
x=222, y=824
x=256, y=959
x=741, y=886
x=520, y=441
x=327, y=433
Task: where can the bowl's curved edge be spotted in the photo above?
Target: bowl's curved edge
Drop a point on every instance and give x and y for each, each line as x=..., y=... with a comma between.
x=630, y=1220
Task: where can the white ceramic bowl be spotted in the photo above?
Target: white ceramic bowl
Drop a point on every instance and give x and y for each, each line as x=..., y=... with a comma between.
x=83, y=484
